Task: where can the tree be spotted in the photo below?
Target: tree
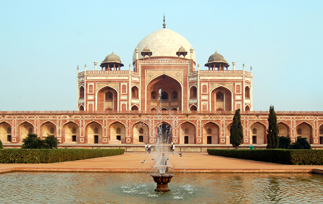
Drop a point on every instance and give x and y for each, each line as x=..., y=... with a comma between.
x=284, y=142
x=236, y=134
x=1, y=146
x=301, y=143
x=272, y=132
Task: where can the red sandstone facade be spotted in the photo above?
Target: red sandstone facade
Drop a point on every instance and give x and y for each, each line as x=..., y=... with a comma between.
x=163, y=87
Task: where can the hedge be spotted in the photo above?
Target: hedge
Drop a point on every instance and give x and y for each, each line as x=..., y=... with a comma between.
x=53, y=155
x=281, y=156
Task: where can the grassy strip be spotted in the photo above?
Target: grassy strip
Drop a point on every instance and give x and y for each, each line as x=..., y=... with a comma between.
x=53, y=155
x=281, y=156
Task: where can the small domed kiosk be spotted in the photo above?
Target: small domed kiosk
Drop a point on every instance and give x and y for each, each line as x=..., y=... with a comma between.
x=111, y=62
x=217, y=61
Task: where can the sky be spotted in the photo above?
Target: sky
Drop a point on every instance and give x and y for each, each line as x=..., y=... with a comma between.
x=43, y=42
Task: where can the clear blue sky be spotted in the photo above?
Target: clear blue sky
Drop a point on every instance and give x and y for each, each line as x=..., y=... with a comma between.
x=42, y=42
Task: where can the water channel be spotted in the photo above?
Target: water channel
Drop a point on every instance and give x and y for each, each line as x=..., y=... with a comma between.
x=139, y=188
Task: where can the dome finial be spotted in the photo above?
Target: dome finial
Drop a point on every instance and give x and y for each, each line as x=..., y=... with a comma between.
x=164, y=24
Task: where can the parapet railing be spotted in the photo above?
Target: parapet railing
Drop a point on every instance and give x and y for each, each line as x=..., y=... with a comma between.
x=170, y=112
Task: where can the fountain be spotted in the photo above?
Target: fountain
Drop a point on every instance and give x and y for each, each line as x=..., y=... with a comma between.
x=162, y=162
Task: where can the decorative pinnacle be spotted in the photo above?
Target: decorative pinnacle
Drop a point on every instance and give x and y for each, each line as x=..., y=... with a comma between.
x=164, y=24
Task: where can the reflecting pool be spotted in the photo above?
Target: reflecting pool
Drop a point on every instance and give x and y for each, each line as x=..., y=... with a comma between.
x=139, y=188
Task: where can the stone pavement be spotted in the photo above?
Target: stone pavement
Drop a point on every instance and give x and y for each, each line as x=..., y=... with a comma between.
x=143, y=162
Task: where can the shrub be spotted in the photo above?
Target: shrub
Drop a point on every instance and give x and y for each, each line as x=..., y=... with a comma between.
x=284, y=142
x=281, y=156
x=34, y=142
x=301, y=143
x=1, y=146
x=53, y=155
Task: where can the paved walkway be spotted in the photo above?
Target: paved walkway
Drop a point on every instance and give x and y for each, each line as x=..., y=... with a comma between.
x=144, y=162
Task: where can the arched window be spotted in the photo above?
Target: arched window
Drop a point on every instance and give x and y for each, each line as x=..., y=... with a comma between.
x=193, y=92
x=186, y=131
x=254, y=131
x=108, y=97
x=299, y=131
x=134, y=108
x=238, y=88
x=247, y=108
x=193, y=108
x=247, y=92
x=153, y=109
x=209, y=131
x=141, y=131
x=118, y=131
x=134, y=91
x=124, y=88
x=219, y=96
x=81, y=92
x=90, y=88
x=204, y=88
x=164, y=95
x=81, y=108
x=153, y=95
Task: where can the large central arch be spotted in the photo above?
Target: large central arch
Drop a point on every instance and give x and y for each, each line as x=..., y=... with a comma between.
x=107, y=99
x=221, y=99
x=171, y=94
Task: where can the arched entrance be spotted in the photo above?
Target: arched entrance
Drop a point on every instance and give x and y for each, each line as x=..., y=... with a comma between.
x=140, y=133
x=5, y=132
x=187, y=133
x=107, y=99
x=283, y=130
x=48, y=129
x=221, y=99
x=25, y=128
x=258, y=134
x=71, y=132
x=164, y=134
x=210, y=133
x=304, y=130
x=117, y=133
x=94, y=133
x=170, y=91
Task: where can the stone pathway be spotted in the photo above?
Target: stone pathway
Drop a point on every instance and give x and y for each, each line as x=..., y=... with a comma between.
x=143, y=162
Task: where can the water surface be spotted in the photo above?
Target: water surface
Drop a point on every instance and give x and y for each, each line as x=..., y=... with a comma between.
x=139, y=188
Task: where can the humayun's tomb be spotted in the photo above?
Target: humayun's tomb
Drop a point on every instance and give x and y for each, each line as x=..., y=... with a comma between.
x=163, y=87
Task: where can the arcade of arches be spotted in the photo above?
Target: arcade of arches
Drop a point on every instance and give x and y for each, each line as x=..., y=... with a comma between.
x=141, y=133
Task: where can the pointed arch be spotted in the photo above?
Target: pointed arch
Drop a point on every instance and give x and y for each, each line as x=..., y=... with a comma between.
x=93, y=132
x=257, y=132
x=47, y=128
x=193, y=108
x=71, y=132
x=187, y=133
x=140, y=133
x=193, y=92
x=82, y=92
x=283, y=129
x=24, y=129
x=211, y=133
x=5, y=132
x=164, y=132
x=221, y=99
x=305, y=130
x=117, y=133
x=134, y=108
x=107, y=98
x=135, y=92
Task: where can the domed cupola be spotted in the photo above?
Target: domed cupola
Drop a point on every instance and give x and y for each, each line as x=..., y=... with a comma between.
x=181, y=51
x=217, y=61
x=111, y=62
x=146, y=51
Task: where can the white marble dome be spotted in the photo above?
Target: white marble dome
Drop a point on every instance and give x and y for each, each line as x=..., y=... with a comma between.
x=164, y=43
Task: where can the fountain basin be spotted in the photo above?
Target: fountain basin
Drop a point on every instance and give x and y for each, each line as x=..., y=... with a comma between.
x=162, y=181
